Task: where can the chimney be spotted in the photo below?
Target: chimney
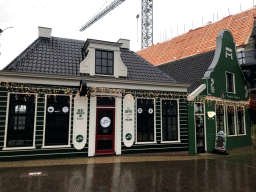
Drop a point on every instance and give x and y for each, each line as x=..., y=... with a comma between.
x=44, y=32
x=126, y=43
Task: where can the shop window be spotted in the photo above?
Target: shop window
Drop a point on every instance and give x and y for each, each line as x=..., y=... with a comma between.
x=57, y=120
x=145, y=120
x=104, y=62
x=240, y=120
x=169, y=120
x=220, y=120
x=231, y=120
x=230, y=82
x=21, y=119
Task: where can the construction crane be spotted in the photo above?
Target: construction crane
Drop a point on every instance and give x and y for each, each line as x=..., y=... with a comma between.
x=146, y=20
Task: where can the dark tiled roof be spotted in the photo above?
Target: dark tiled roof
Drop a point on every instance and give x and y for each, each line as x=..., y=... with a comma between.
x=189, y=70
x=61, y=56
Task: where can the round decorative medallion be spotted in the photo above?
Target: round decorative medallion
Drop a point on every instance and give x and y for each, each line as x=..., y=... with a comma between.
x=79, y=138
x=150, y=110
x=50, y=109
x=65, y=109
x=105, y=122
x=128, y=136
x=140, y=110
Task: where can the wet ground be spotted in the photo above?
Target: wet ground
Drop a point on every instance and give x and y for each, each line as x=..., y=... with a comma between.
x=234, y=172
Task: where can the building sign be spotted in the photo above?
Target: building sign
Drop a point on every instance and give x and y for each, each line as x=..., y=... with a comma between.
x=220, y=143
x=128, y=123
x=80, y=122
x=229, y=53
x=105, y=122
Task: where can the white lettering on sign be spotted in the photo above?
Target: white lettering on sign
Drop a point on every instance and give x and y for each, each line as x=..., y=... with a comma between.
x=229, y=53
x=212, y=87
x=128, y=114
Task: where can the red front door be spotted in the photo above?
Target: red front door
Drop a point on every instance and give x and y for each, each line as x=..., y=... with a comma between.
x=105, y=129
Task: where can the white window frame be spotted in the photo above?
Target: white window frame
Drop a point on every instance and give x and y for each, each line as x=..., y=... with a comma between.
x=205, y=143
x=148, y=142
x=244, y=122
x=6, y=123
x=69, y=133
x=224, y=109
x=178, y=119
x=235, y=120
x=234, y=85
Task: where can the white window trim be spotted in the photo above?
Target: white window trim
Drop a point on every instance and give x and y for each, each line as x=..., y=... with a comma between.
x=45, y=106
x=148, y=142
x=234, y=84
x=224, y=118
x=205, y=142
x=235, y=119
x=178, y=119
x=244, y=123
x=6, y=123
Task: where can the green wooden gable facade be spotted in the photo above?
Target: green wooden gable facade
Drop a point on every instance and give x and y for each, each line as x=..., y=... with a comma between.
x=224, y=64
x=222, y=94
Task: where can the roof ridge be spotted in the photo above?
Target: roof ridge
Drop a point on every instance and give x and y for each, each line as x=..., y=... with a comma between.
x=153, y=51
x=164, y=51
x=204, y=37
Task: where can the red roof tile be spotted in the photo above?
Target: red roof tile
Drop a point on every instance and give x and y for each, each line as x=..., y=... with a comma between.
x=201, y=40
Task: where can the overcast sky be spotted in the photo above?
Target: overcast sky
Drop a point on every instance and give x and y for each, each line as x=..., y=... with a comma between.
x=66, y=17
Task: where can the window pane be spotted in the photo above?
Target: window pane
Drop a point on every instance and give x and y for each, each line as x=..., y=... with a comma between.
x=104, y=62
x=230, y=84
x=231, y=120
x=98, y=69
x=240, y=120
x=98, y=62
x=110, y=63
x=104, y=70
x=145, y=119
x=199, y=108
x=21, y=120
x=57, y=120
x=104, y=59
x=104, y=54
x=220, y=118
x=110, y=70
x=98, y=54
x=110, y=55
x=169, y=120
x=20, y=109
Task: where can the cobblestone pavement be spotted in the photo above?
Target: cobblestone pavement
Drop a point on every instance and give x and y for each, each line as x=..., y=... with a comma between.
x=206, y=172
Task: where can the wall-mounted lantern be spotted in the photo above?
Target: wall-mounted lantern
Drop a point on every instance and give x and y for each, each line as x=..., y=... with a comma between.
x=211, y=114
x=83, y=87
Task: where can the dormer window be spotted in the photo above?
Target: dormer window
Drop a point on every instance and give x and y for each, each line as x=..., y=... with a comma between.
x=104, y=62
x=230, y=82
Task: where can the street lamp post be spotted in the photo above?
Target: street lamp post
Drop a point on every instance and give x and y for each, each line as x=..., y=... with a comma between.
x=1, y=31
